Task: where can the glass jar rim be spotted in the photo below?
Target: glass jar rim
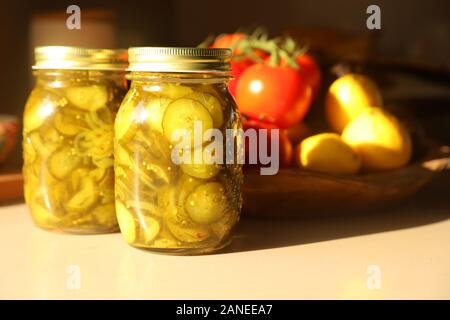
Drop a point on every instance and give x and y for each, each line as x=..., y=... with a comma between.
x=179, y=60
x=79, y=58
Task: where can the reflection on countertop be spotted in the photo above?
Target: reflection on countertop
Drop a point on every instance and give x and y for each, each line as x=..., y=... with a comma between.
x=328, y=257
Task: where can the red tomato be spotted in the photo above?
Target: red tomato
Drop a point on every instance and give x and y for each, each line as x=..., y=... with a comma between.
x=286, y=149
x=311, y=71
x=238, y=66
x=278, y=95
x=237, y=69
x=228, y=41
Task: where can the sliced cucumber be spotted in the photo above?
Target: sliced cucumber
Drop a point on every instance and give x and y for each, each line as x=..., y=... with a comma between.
x=105, y=215
x=124, y=119
x=188, y=234
x=155, y=109
x=76, y=177
x=222, y=227
x=186, y=185
x=183, y=114
x=29, y=153
x=40, y=106
x=84, y=198
x=207, y=203
x=126, y=222
x=202, y=170
x=90, y=98
x=42, y=216
x=174, y=90
x=151, y=229
x=68, y=121
x=59, y=193
x=178, y=222
x=122, y=157
x=62, y=162
x=212, y=104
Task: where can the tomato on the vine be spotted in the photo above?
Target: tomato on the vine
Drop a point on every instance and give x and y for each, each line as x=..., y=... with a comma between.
x=230, y=40
x=238, y=63
x=310, y=70
x=276, y=94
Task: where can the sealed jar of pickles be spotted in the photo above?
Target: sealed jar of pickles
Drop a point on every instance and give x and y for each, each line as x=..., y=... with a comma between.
x=68, y=129
x=177, y=191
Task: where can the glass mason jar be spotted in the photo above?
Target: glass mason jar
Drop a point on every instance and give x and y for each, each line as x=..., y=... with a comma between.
x=68, y=138
x=164, y=204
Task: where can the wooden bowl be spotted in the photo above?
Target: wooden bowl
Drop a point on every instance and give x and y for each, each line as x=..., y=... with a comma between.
x=295, y=192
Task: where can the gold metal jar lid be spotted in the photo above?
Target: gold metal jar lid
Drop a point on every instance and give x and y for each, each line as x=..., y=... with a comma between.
x=77, y=58
x=172, y=59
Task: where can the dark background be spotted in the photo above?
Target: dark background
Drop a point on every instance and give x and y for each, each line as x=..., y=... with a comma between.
x=413, y=32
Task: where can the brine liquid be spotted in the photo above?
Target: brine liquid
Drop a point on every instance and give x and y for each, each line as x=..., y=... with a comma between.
x=68, y=155
x=163, y=206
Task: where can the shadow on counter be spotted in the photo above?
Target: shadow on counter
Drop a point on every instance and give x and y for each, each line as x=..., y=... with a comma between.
x=430, y=205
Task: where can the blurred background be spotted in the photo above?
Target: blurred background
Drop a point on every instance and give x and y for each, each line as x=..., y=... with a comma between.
x=413, y=40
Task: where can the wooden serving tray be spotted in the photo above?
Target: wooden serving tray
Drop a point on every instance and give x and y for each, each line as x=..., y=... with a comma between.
x=295, y=192
x=11, y=186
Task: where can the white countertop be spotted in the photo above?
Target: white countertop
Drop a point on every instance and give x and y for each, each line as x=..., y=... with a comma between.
x=400, y=253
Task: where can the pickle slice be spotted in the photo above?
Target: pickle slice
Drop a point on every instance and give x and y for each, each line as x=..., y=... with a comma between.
x=76, y=177
x=186, y=185
x=105, y=215
x=50, y=135
x=202, y=170
x=40, y=106
x=84, y=198
x=143, y=206
x=28, y=151
x=174, y=90
x=88, y=98
x=68, y=122
x=151, y=229
x=43, y=150
x=125, y=120
x=98, y=174
x=188, y=234
x=58, y=193
x=212, y=104
x=222, y=227
x=177, y=221
x=207, y=203
x=62, y=162
x=42, y=216
x=183, y=114
x=126, y=222
x=154, y=110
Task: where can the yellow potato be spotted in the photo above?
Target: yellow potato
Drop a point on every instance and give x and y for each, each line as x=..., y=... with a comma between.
x=328, y=153
x=347, y=97
x=380, y=139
